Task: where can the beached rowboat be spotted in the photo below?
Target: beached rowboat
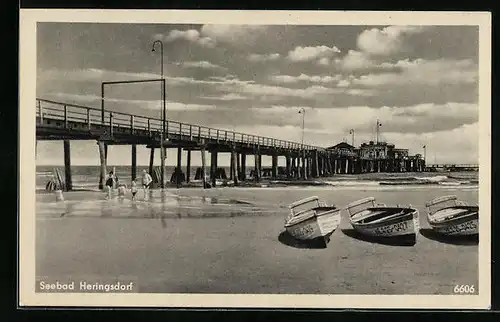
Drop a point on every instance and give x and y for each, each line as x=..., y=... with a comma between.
x=310, y=219
x=455, y=219
x=379, y=220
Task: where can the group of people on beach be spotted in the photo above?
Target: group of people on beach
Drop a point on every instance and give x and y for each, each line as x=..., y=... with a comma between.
x=112, y=181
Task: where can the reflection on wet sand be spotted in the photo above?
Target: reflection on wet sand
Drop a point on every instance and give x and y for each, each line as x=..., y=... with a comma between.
x=158, y=205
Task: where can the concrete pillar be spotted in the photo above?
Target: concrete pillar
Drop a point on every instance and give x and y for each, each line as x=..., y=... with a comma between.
x=134, y=162
x=179, y=169
x=102, y=158
x=188, y=167
x=346, y=166
x=67, y=166
x=274, y=166
x=151, y=160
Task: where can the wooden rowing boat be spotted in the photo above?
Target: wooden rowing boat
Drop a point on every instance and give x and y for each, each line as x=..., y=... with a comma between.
x=379, y=220
x=454, y=218
x=310, y=219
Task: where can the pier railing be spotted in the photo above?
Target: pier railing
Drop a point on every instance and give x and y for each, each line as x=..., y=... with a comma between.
x=47, y=109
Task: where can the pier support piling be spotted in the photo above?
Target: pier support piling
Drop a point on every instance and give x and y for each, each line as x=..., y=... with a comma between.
x=238, y=166
x=274, y=166
x=203, y=167
x=134, y=161
x=213, y=167
x=188, y=167
x=179, y=165
x=67, y=165
x=231, y=165
x=304, y=165
x=151, y=160
x=288, y=167
x=234, y=161
x=102, y=157
x=243, y=167
x=256, y=172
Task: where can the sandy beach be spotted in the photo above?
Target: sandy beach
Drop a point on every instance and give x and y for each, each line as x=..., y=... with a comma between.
x=229, y=240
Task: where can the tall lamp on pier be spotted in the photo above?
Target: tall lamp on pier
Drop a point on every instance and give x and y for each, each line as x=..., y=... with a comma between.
x=164, y=114
x=303, y=112
x=425, y=147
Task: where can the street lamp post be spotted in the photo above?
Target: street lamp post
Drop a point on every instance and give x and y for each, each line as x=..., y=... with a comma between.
x=352, y=132
x=164, y=114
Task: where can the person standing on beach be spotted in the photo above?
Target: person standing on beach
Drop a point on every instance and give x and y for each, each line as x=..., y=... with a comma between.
x=133, y=189
x=109, y=184
x=146, y=183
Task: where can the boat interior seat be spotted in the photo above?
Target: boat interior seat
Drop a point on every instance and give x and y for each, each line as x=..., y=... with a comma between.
x=449, y=212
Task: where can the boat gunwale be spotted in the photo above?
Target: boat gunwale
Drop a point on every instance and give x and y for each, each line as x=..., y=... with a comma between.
x=408, y=216
x=290, y=222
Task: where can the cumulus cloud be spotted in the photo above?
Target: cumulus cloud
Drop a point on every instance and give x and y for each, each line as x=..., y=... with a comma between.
x=190, y=35
x=386, y=41
x=300, y=54
x=201, y=64
x=263, y=57
x=304, y=77
x=226, y=97
x=425, y=72
x=355, y=60
x=234, y=34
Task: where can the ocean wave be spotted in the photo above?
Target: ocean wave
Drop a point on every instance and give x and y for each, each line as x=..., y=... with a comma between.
x=352, y=183
x=432, y=179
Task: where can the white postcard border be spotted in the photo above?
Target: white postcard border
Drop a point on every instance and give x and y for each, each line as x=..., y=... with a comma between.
x=27, y=170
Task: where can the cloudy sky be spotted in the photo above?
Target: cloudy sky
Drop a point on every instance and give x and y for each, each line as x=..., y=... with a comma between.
x=420, y=82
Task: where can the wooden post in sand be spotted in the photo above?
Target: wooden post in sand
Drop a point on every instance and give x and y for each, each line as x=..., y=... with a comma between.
x=203, y=166
x=151, y=160
x=188, y=166
x=102, y=157
x=134, y=161
x=67, y=166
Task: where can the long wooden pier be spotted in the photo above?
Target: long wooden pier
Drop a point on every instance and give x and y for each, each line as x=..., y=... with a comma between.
x=67, y=122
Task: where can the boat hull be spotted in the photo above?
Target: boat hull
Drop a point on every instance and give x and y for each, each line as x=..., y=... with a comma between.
x=405, y=225
x=316, y=227
x=458, y=225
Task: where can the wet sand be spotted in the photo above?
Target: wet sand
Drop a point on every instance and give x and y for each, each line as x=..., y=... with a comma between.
x=230, y=240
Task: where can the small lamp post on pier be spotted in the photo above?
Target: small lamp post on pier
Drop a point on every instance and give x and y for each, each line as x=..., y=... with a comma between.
x=351, y=131
x=164, y=114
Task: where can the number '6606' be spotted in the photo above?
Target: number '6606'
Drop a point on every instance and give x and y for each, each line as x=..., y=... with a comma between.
x=464, y=289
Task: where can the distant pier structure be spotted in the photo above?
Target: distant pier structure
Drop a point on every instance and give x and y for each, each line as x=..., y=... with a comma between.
x=374, y=157
x=68, y=122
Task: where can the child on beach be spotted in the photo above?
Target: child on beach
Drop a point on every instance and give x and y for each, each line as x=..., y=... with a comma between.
x=121, y=189
x=146, y=183
x=109, y=184
x=133, y=189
